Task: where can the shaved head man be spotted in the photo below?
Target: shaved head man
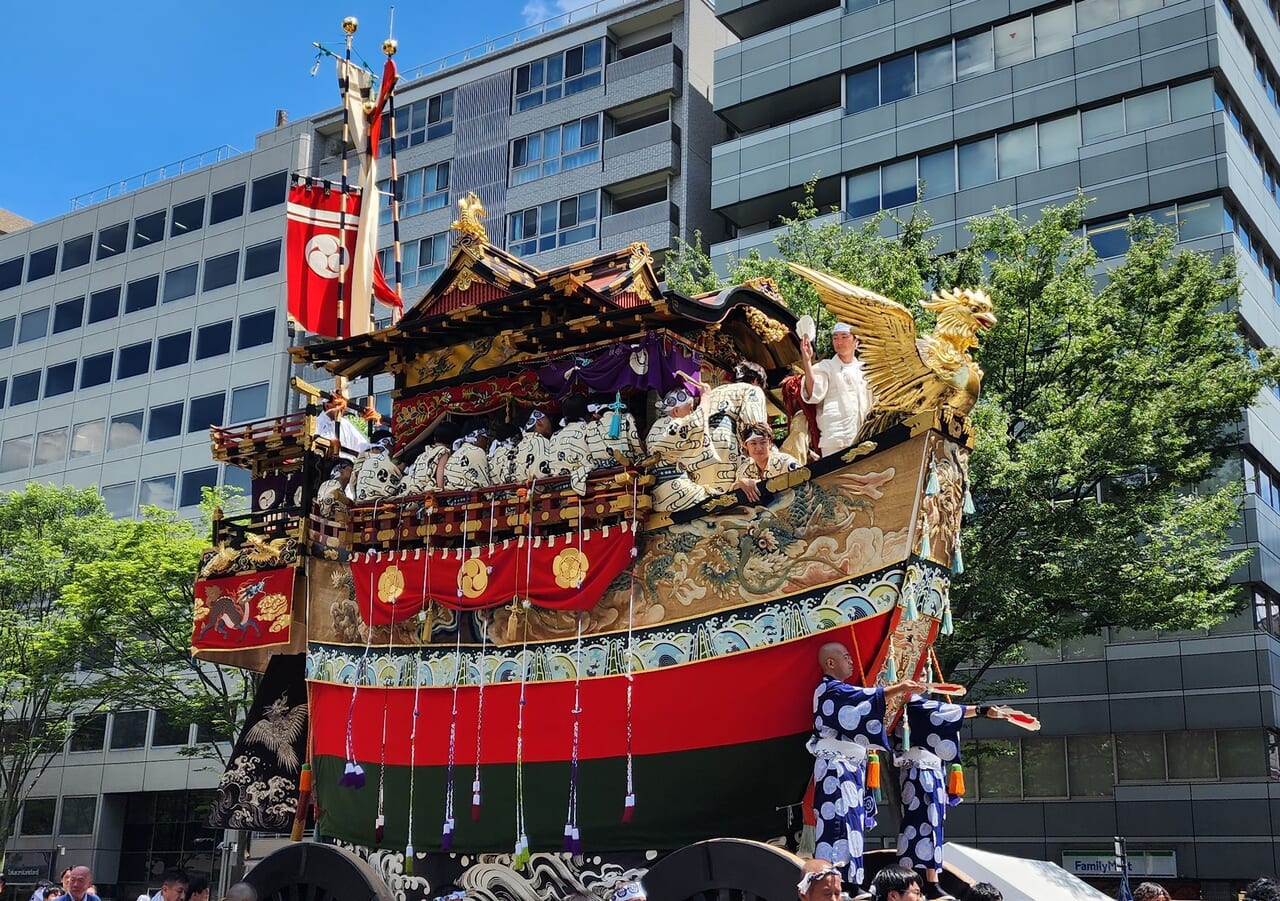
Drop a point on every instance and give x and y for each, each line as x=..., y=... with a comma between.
x=78, y=880
x=242, y=891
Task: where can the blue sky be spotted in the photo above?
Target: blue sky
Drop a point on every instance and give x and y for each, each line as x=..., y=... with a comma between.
x=106, y=91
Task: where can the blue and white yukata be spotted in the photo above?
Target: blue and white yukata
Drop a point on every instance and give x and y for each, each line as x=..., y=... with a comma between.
x=848, y=720
x=922, y=776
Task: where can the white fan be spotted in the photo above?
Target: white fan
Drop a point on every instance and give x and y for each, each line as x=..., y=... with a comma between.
x=805, y=328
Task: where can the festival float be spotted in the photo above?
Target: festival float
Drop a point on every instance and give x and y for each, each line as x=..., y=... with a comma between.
x=527, y=690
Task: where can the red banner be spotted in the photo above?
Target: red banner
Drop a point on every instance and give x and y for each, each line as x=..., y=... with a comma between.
x=243, y=611
x=414, y=414
x=314, y=215
x=560, y=572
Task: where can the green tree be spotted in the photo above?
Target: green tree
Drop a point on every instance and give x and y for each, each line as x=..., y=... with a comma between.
x=1110, y=406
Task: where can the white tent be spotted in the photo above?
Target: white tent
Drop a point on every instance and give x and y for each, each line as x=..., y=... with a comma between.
x=1020, y=879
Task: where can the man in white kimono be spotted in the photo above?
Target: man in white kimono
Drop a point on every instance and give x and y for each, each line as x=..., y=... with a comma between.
x=839, y=389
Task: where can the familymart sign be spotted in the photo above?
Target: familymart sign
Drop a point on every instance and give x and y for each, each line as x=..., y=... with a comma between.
x=1103, y=863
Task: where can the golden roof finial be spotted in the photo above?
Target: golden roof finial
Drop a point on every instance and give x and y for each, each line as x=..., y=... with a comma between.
x=470, y=221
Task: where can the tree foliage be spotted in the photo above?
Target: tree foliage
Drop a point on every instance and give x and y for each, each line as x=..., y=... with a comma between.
x=1110, y=406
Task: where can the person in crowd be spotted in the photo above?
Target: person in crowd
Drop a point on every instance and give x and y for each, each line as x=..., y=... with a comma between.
x=533, y=456
x=761, y=460
x=1150, y=891
x=427, y=472
x=468, y=465
x=504, y=454
x=612, y=428
x=819, y=881
x=730, y=407
x=839, y=389
x=173, y=885
x=569, y=451
x=1262, y=889
x=335, y=421
x=984, y=891
x=333, y=494
x=78, y=880
x=198, y=889
x=897, y=884
x=376, y=474
x=679, y=439
x=242, y=891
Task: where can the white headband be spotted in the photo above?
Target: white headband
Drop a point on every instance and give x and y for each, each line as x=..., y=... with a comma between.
x=808, y=879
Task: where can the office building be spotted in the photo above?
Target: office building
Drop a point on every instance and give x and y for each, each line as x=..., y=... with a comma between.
x=1166, y=108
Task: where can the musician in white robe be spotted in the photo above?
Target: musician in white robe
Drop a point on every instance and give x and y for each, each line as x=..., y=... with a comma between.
x=839, y=389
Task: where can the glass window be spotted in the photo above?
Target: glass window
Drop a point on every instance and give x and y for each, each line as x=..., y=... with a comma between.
x=974, y=55
x=121, y=500
x=1000, y=770
x=262, y=259
x=1110, y=239
x=1200, y=218
x=1090, y=766
x=113, y=240
x=173, y=350
x=256, y=329
x=11, y=273
x=135, y=359
x=68, y=315
x=1016, y=151
x=77, y=815
x=104, y=304
x=221, y=271
x=1054, y=29
x=1140, y=757
x=187, y=217
x=96, y=370
x=157, y=492
x=1194, y=99
x=205, y=411
x=60, y=379
x=226, y=204
x=7, y=331
x=4, y=390
x=1102, y=122
x=125, y=431
x=141, y=294
x=1058, y=140
x=935, y=68
x=33, y=325
x=249, y=403
x=1242, y=754
x=268, y=191
x=75, y=253
x=897, y=78
x=129, y=729
x=1130, y=8
x=194, y=481
x=1191, y=755
x=26, y=388
x=938, y=172
x=37, y=816
x=87, y=438
x=863, y=90
x=165, y=421
x=149, y=229
x=180, y=282
x=51, y=446
x=90, y=732
x=423, y=120
x=976, y=163
x=559, y=75
x=15, y=453
x=213, y=340
x=1044, y=768
x=1013, y=42
x=42, y=263
x=898, y=183
x=166, y=734
x=1092, y=14
x=1146, y=110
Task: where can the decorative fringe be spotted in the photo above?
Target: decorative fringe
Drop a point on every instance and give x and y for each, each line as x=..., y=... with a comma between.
x=408, y=860
x=947, y=627
x=906, y=734
x=912, y=609
x=808, y=846
x=955, y=781
x=931, y=488
x=969, y=509
x=304, y=801
x=957, y=559
x=925, y=550
x=891, y=672
x=873, y=771
x=629, y=807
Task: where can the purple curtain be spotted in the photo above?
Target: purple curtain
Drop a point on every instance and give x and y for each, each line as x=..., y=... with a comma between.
x=651, y=363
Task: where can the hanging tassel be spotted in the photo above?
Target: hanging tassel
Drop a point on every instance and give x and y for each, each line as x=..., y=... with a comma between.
x=931, y=488
x=906, y=734
x=947, y=627
x=615, y=423
x=446, y=837
x=575, y=846
x=379, y=829
x=925, y=550
x=304, y=801
x=891, y=673
x=522, y=856
x=808, y=846
x=955, y=781
x=969, y=509
x=957, y=559
x=912, y=609
x=568, y=838
x=629, y=807
x=408, y=860
x=873, y=771
x=475, y=801
x=352, y=775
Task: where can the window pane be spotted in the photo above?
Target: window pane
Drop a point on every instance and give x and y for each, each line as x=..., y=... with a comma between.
x=26, y=388
x=187, y=217
x=1059, y=141
x=1242, y=753
x=157, y=492
x=96, y=370
x=87, y=438
x=898, y=183
x=1146, y=110
x=1044, y=768
x=213, y=340
x=205, y=411
x=1137, y=7
x=934, y=68
x=33, y=325
x=37, y=816
x=1102, y=122
x=268, y=191
x=42, y=263
x=173, y=350
x=897, y=78
x=226, y=204
x=76, y=252
x=90, y=732
x=1191, y=755
x=15, y=453
x=112, y=240
x=125, y=431
x=1000, y=771
x=129, y=729
x=7, y=331
x=977, y=163
x=256, y=329
x=51, y=446
x=104, y=304
x=1111, y=239
x=221, y=271
x=193, y=484
x=11, y=273
x=68, y=315
x=1096, y=13
x=864, y=90
x=77, y=815
x=1194, y=99
x=141, y=294
x=121, y=500
x=135, y=359
x=974, y=55
x=165, y=421
x=863, y=193
x=249, y=403
x=1054, y=29
x=60, y=379
x=1013, y=42
x=1140, y=757
x=1200, y=219
x=1016, y=151
x=149, y=229
x=1089, y=765
x=262, y=259
x=181, y=282
x=938, y=172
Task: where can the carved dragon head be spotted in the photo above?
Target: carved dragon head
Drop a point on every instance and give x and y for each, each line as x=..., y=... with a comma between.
x=961, y=315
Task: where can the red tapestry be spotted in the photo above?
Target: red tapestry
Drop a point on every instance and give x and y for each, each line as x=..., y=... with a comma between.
x=243, y=611
x=560, y=572
x=414, y=414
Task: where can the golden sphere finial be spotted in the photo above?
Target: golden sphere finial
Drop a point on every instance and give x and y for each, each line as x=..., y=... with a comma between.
x=390, y=46
x=350, y=24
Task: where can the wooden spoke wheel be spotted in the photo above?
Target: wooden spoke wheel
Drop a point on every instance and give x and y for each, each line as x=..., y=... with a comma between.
x=725, y=869
x=307, y=871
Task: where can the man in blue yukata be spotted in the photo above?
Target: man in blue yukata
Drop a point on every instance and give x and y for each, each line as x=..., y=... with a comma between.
x=848, y=721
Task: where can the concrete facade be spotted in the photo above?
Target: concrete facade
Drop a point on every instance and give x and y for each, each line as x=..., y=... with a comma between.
x=1160, y=108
